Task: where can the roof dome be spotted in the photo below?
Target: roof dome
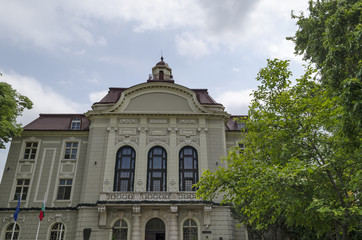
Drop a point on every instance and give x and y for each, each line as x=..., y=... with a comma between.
x=161, y=72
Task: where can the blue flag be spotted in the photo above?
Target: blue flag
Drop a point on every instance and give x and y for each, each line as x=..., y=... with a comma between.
x=17, y=210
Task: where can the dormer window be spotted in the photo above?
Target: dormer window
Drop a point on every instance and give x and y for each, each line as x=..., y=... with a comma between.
x=75, y=125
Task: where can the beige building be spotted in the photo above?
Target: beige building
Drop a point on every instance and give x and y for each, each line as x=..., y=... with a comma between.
x=123, y=170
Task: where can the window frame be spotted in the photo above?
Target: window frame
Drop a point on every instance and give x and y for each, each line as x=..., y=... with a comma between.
x=22, y=186
x=9, y=229
x=194, y=171
x=76, y=123
x=33, y=150
x=120, y=157
x=151, y=172
x=189, y=225
x=60, y=228
x=71, y=155
x=120, y=228
x=67, y=189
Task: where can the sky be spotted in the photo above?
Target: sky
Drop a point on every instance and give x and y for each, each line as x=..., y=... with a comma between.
x=64, y=55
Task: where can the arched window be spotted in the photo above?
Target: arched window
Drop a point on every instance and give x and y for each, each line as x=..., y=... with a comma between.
x=124, y=170
x=57, y=231
x=189, y=171
x=9, y=231
x=161, y=76
x=120, y=230
x=156, y=171
x=189, y=230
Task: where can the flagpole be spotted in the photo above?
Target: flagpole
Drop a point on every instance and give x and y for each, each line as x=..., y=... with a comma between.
x=37, y=232
x=12, y=235
x=16, y=219
x=61, y=231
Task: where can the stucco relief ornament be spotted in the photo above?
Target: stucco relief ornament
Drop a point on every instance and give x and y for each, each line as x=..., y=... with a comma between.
x=107, y=187
x=188, y=140
x=173, y=187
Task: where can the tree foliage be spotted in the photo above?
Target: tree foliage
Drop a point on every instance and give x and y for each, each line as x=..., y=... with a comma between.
x=12, y=105
x=302, y=166
x=330, y=36
x=296, y=167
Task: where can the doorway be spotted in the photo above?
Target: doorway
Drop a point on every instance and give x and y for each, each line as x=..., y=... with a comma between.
x=155, y=230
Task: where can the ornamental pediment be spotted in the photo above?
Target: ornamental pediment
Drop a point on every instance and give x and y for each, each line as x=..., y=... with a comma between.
x=161, y=98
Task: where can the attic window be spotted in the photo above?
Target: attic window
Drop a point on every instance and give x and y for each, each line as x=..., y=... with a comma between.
x=75, y=124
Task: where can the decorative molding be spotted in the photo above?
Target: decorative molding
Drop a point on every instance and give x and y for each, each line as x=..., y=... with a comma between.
x=126, y=139
x=187, y=121
x=174, y=209
x=58, y=217
x=202, y=129
x=112, y=129
x=127, y=131
x=158, y=132
x=157, y=140
x=136, y=209
x=173, y=129
x=66, y=175
x=143, y=129
x=107, y=185
x=188, y=140
x=158, y=121
x=148, y=196
x=128, y=120
x=188, y=132
x=101, y=209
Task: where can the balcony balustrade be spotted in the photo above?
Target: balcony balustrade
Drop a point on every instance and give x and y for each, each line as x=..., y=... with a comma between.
x=149, y=196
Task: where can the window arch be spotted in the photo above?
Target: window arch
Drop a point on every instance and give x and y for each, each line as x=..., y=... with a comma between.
x=57, y=231
x=156, y=170
x=120, y=230
x=9, y=231
x=189, y=170
x=124, y=170
x=189, y=230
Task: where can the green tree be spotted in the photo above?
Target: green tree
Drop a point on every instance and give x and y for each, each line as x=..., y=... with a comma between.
x=296, y=168
x=12, y=105
x=330, y=37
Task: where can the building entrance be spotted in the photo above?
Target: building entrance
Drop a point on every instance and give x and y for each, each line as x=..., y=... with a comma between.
x=155, y=230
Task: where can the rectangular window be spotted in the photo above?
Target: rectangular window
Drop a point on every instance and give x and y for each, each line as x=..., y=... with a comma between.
x=71, y=149
x=64, y=189
x=30, y=150
x=22, y=187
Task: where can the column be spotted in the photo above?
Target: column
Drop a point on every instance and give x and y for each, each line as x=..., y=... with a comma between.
x=108, y=177
x=173, y=224
x=136, y=228
x=172, y=161
x=203, y=145
x=141, y=158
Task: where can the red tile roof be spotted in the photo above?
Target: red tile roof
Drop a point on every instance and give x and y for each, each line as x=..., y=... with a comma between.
x=57, y=122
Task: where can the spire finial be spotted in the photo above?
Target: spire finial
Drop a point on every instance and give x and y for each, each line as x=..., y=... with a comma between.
x=161, y=56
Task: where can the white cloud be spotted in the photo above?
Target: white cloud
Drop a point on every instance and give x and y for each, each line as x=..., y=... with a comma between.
x=235, y=69
x=236, y=102
x=44, y=98
x=199, y=27
x=97, y=96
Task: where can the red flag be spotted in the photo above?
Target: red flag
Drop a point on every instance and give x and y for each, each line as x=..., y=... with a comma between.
x=42, y=211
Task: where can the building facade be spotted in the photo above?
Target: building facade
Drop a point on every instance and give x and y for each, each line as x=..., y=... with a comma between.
x=124, y=170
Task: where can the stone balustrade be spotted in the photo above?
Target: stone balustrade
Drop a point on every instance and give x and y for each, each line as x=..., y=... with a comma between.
x=148, y=196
